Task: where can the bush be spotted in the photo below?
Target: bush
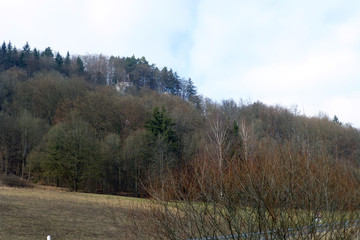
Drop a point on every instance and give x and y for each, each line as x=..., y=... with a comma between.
x=14, y=181
x=275, y=189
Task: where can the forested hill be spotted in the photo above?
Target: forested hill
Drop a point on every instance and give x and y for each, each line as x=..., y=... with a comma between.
x=97, y=69
x=114, y=124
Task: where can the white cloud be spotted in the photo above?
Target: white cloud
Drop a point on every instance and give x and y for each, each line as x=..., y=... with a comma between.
x=281, y=54
x=154, y=29
x=344, y=107
x=148, y=28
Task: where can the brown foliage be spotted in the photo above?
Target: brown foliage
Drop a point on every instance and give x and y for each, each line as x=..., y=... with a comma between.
x=277, y=187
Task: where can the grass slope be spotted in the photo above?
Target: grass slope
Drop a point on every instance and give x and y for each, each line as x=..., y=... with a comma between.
x=33, y=213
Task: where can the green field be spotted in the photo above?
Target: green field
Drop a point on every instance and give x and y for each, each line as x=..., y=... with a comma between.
x=34, y=213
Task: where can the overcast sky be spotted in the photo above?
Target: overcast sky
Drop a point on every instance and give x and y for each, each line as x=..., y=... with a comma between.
x=304, y=53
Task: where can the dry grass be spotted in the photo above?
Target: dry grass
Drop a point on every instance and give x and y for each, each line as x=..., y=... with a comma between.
x=33, y=213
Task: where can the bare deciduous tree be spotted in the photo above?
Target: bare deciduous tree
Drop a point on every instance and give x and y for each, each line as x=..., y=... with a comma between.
x=275, y=194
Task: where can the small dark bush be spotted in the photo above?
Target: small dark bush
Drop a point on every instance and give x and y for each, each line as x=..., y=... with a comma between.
x=14, y=181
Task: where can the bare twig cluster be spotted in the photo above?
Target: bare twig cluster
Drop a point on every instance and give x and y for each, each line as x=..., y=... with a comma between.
x=271, y=190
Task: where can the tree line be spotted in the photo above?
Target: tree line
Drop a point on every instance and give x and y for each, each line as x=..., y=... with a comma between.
x=63, y=123
x=99, y=69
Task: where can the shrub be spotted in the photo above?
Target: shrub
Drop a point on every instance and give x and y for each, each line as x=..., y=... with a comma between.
x=14, y=181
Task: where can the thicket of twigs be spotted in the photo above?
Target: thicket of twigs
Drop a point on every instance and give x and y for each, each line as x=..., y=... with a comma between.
x=268, y=186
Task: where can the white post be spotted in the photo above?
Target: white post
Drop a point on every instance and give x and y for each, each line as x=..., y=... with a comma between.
x=48, y=237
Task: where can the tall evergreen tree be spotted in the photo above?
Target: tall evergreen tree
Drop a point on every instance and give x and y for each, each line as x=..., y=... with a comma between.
x=160, y=124
x=2, y=56
x=59, y=61
x=47, y=53
x=67, y=59
x=34, y=63
x=80, y=66
x=130, y=64
x=162, y=140
x=15, y=57
x=190, y=89
x=26, y=48
x=67, y=64
x=36, y=54
x=9, y=58
x=176, y=84
x=3, y=48
x=9, y=47
x=191, y=93
x=163, y=79
x=22, y=59
x=24, y=56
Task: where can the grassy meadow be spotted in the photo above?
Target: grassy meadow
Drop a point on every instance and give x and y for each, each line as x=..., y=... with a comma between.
x=33, y=213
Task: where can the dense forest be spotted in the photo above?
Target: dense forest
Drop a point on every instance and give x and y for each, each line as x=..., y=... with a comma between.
x=117, y=124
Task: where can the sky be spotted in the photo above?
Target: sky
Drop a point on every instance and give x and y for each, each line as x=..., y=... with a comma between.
x=299, y=54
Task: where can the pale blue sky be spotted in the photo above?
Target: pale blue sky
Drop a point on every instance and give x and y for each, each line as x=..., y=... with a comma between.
x=304, y=53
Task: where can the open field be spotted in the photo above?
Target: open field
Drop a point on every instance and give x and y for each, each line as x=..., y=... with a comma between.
x=33, y=213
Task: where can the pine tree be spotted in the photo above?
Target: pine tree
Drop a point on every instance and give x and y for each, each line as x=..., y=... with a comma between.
x=26, y=48
x=2, y=56
x=3, y=48
x=175, y=84
x=130, y=64
x=36, y=54
x=67, y=64
x=160, y=124
x=8, y=57
x=80, y=66
x=22, y=63
x=191, y=93
x=190, y=89
x=11, y=58
x=67, y=59
x=24, y=55
x=162, y=140
x=34, y=62
x=59, y=61
x=47, y=53
x=9, y=47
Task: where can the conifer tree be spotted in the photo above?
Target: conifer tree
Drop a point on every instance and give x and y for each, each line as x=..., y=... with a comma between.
x=24, y=55
x=36, y=54
x=22, y=63
x=67, y=59
x=162, y=140
x=9, y=47
x=3, y=48
x=26, y=48
x=47, y=53
x=59, y=61
x=67, y=64
x=2, y=55
x=80, y=66
x=190, y=89
x=8, y=57
x=191, y=93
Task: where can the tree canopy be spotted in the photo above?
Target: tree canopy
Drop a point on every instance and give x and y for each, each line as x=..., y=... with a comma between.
x=107, y=124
